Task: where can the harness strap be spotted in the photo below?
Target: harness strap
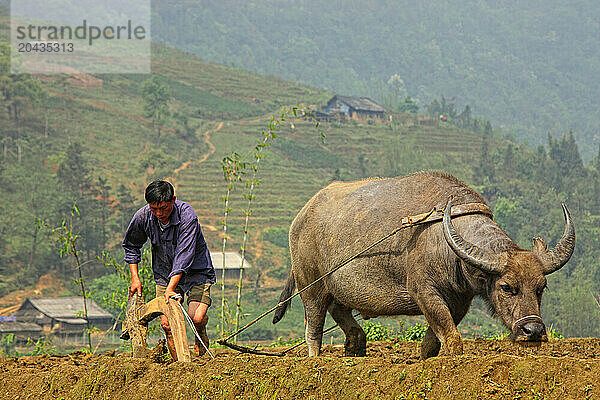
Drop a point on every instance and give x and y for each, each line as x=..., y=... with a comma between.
x=457, y=210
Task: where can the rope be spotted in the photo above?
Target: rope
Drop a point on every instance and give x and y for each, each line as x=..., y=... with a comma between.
x=255, y=320
x=245, y=349
x=406, y=222
x=324, y=332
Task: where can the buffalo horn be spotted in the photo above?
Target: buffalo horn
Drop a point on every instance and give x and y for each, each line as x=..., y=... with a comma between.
x=557, y=257
x=469, y=253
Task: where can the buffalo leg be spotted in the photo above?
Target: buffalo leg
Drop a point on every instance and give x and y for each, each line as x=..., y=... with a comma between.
x=315, y=309
x=430, y=347
x=356, y=340
x=314, y=331
x=442, y=323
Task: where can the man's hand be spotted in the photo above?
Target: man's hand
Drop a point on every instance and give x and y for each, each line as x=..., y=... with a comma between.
x=136, y=286
x=169, y=293
x=170, y=290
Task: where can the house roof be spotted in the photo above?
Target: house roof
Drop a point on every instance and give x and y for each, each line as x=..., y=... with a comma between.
x=69, y=308
x=359, y=103
x=233, y=260
x=15, y=327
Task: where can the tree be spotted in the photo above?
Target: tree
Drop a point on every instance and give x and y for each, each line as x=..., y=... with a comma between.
x=444, y=107
x=125, y=206
x=487, y=130
x=20, y=91
x=465, y=117
x=157, y=164
x=73, y=171
x=408, y=105
x=156, y=97
x=16, y=91
x=485, y=173
x=566, y=163
x=74, y=175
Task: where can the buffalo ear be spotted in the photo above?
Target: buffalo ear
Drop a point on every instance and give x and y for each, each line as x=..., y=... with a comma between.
x=540, y=248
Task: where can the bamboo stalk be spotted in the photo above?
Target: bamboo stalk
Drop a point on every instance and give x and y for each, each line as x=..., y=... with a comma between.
x=223, y=264
x=268, y=134
x=233, y=168
x=244, y=242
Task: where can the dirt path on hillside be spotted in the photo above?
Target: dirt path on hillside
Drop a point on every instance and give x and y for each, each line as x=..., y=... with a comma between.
x=211, y=148
x=489, y=369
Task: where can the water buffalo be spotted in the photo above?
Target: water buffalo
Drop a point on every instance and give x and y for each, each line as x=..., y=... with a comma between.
x=434, y=269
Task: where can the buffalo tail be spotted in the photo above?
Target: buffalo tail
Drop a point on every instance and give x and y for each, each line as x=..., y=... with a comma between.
x=288, y=289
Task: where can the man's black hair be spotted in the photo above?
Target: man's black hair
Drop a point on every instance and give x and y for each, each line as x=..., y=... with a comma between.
x=159, y=191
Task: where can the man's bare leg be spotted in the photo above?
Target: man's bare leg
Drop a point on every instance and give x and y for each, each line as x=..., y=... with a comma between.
x=198, y=312
x=164, y=323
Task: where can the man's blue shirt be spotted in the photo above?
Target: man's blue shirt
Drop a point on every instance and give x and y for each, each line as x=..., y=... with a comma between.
x=179, y=248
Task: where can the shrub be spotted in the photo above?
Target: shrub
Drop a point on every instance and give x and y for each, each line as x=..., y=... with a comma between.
x=415, y=333
x=555, y=334
x=287, y=342
x=375, y=332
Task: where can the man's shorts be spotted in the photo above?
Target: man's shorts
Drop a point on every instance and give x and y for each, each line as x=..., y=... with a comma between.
x=199, y=293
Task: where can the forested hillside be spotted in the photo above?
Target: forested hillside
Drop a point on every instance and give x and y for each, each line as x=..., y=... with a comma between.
x=531, y=67
x=92, y=142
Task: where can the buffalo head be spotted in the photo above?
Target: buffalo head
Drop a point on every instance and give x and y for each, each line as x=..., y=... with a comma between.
x=516, y=278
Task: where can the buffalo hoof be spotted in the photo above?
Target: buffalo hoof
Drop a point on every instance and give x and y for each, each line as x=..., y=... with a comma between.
x=453, y=345
x=356, y=344
x=348, y=352
x=430, y=346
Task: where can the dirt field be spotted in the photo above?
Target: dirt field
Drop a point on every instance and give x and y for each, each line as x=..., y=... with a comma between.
x=559, y=369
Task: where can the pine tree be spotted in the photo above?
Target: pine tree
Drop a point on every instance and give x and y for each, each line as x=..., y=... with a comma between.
x=156, y=103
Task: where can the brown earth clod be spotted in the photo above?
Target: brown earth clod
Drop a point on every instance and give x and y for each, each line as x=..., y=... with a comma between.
x=490, y=369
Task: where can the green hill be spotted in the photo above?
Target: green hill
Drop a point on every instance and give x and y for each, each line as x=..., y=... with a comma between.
x=87, y=141
x=530, y=67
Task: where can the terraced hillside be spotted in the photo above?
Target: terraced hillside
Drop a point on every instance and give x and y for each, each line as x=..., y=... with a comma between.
x=215, y=110
x=298, y=164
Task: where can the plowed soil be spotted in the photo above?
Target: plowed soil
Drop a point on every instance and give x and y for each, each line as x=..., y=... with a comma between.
x=559, y=369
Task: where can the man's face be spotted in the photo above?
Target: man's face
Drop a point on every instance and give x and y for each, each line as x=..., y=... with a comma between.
x=163, y=210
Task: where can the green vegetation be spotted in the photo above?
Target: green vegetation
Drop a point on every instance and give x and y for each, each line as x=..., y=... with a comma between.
x=67, y=239
x=95, y=147
x=156, y=97
x=42, y=346
x=529, y=67
x=377, y=332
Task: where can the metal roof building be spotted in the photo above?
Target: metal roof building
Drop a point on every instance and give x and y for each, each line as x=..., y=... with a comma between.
x=63, y=314
x=233, y=261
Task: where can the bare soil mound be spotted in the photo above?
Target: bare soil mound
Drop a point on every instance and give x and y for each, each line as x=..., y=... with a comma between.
x=490, y=369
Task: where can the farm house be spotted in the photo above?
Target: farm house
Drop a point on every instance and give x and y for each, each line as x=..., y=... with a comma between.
x=358, y=108
x=22, y=330
x=63, y=315
x=232, y=264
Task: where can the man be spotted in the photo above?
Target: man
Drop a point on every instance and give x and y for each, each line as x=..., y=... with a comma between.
x=181, y=261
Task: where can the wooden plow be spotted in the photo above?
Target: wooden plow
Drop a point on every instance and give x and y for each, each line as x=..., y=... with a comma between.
x=139, y=314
